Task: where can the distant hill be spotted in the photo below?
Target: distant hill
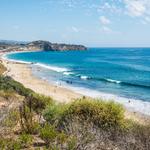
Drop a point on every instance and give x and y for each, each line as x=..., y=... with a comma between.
x=38, y=45
x=46, y=45
x=12, y=42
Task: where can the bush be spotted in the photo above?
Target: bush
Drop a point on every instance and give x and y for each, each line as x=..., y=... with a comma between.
x=54, y=112
x=25, y=139
x=2, y=143
x=8, y=84
x=38, y=102
x=72, y=143
x=53, y=138
x=14, y=145
x=48, y=134
x=9, y=144
x=101, y=113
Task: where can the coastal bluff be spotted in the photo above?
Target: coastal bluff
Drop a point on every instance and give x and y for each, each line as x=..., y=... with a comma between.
x=45, y=45
x=38, y=45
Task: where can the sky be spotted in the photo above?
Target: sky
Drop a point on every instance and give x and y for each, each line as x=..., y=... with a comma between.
x=94, y=23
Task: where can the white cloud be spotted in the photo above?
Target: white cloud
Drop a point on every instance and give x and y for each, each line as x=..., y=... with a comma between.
x=113, y=7
x=139, y=9
x=104, y=20
x=135, y=7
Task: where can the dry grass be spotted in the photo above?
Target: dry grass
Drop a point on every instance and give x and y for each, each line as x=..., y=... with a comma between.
x=2, y=69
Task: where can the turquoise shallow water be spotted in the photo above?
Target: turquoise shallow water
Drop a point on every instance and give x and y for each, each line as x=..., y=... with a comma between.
x=121, y=71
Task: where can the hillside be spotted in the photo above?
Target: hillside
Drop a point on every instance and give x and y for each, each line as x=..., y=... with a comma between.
x=32, y=121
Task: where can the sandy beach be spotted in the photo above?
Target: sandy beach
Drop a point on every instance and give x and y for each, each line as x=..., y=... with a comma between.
x=22, y=73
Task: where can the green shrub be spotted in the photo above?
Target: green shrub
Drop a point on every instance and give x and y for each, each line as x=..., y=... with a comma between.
x=48, y=134
x=53, y=113
x=62, y=138
x=38, y=102
x=8, y=84
x=3, y=143
x=14, y=145
x=9, y=144
x=101, y=113
x=72, y=143
x=25, y=139
x=53, y=138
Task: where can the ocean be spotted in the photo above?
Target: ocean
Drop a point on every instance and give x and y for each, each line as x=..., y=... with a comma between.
x=122, y=74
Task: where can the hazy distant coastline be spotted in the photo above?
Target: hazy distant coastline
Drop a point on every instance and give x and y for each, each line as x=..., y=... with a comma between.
x=6, y=46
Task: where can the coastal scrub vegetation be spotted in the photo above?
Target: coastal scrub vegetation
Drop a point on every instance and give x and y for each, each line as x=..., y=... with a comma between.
x=100, y=113
x=10, y=85
x=35, y=121
x=84, y=123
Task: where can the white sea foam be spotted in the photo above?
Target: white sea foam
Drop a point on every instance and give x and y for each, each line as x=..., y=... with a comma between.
x=84, y=77
x=54, y=68
x=67, y=73
x=113, y=81
x=5, y=56
x=13, y=60
x=15, y=52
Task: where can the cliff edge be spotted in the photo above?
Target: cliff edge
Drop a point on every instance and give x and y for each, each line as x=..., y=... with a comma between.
x=48, y=46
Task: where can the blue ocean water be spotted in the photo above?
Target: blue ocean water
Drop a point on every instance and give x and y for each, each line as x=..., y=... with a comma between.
x=121, y=71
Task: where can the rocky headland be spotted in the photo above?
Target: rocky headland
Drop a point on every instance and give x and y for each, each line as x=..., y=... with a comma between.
x=6, y=46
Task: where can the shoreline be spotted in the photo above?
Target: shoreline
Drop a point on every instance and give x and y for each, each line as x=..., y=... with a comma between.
x=22, y=73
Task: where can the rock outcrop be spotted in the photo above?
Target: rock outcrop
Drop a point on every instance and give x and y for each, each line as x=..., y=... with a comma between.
x=47, y=46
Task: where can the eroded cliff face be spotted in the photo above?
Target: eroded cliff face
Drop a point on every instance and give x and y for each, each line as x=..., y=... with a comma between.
x=45, y=45
x=38, y=45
